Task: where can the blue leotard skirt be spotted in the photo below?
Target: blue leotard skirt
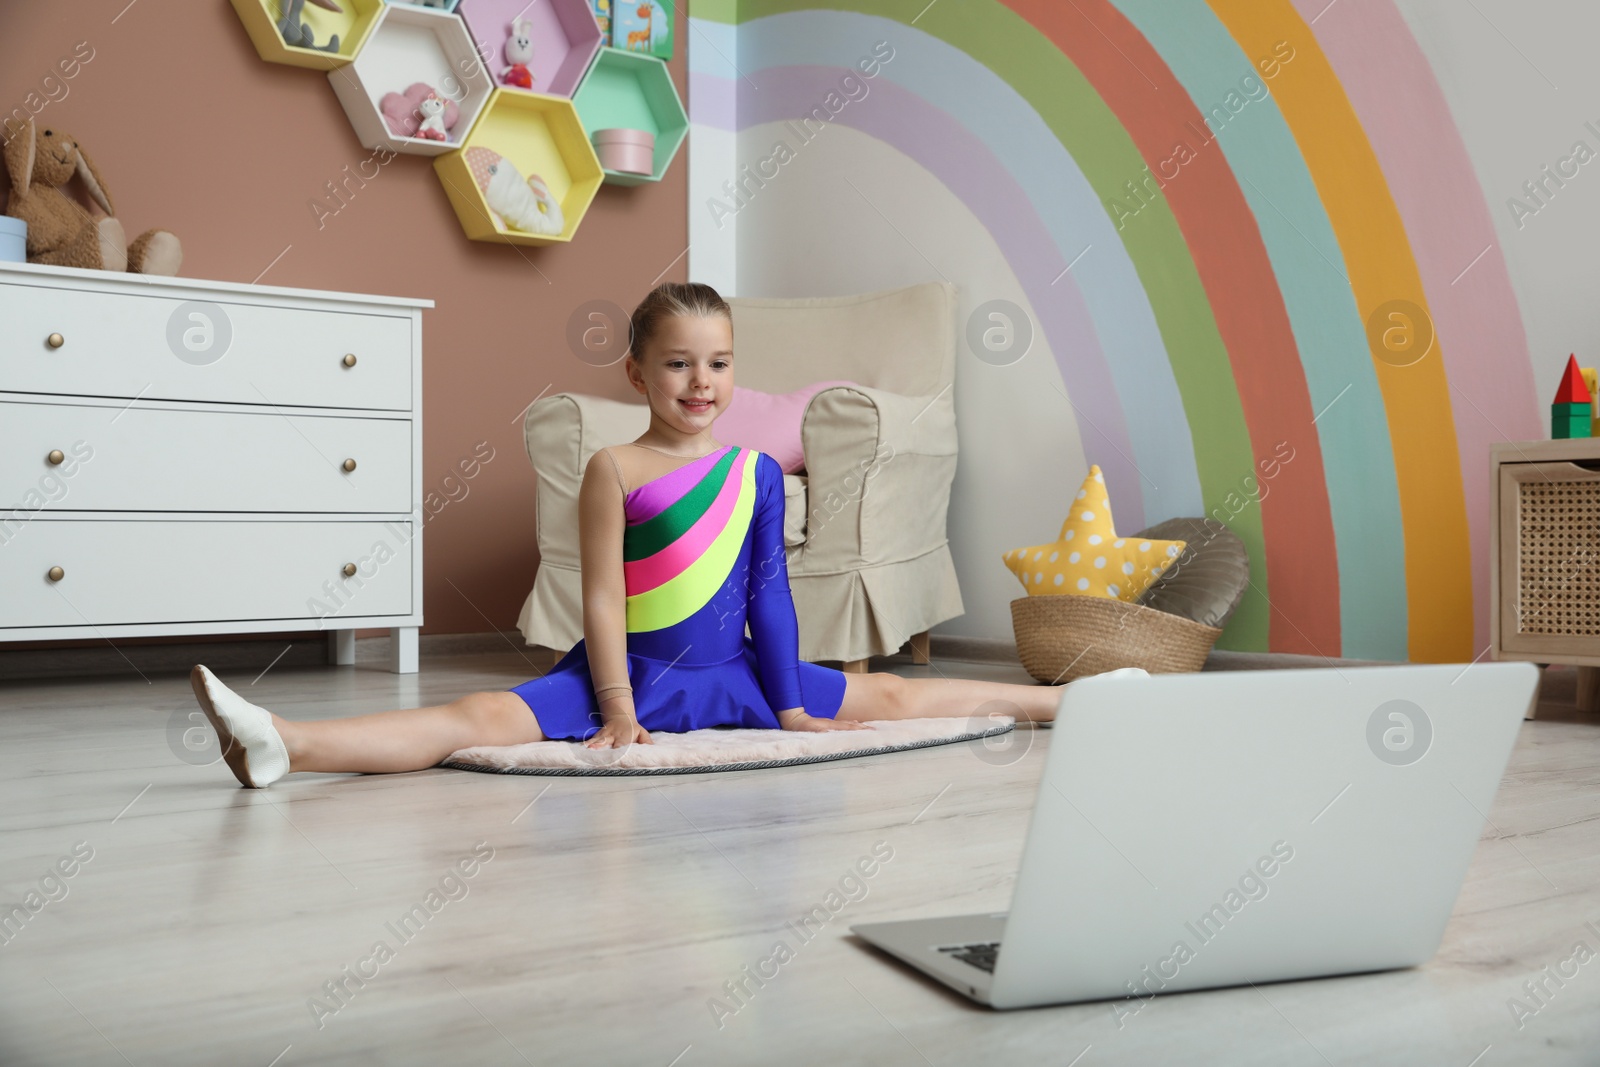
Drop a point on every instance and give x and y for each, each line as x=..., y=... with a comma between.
x=675, y=697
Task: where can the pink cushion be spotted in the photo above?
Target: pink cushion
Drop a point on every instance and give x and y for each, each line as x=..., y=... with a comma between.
x=768, y=422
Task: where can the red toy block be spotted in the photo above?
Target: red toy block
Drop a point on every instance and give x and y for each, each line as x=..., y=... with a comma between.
x=1573, y=389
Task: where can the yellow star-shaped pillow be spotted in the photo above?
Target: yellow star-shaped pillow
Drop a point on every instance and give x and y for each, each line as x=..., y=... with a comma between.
x=1090, y=559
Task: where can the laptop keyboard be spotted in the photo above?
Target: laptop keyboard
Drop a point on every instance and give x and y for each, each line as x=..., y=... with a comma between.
x=980, y=955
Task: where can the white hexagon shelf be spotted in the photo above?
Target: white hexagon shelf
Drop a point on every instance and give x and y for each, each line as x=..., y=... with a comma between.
x=413, y=46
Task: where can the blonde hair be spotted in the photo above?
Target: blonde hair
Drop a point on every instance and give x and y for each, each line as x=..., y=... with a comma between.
x=669, y=299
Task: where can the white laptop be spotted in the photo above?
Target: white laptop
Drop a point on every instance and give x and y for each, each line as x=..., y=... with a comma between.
x=1214, y=829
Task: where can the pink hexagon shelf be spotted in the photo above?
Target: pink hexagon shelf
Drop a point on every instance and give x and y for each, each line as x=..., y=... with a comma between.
x=565, y=38
x=408, y=45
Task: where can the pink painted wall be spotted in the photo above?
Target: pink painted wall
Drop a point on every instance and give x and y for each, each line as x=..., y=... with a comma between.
x=195, y=133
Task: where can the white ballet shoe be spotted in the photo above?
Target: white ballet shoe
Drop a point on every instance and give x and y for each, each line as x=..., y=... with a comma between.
x=250, y=743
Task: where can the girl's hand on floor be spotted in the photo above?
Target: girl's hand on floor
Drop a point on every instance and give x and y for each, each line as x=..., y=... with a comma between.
x=801, y=722
x=620, y=733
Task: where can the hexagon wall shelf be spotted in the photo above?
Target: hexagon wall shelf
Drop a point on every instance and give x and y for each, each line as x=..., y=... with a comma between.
x=449, y=5
x=633, y=90
x=565, y=39
x=411, y=44
x=540, y=135
x=260, y=18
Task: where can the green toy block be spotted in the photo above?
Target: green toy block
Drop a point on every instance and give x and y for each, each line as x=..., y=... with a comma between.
x=1570, y=420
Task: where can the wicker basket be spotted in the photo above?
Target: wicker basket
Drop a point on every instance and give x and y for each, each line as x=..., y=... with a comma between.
x=1062, y=636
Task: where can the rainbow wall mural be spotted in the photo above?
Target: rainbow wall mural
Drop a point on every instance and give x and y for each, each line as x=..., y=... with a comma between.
x=1292, y=258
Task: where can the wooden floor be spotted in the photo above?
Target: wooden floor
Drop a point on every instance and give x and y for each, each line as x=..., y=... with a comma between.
x=605, y=916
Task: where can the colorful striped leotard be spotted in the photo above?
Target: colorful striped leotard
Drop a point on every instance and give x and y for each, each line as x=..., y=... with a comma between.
x=703, y=555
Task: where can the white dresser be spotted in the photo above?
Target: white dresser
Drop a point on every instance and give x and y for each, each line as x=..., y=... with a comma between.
x=193, y=457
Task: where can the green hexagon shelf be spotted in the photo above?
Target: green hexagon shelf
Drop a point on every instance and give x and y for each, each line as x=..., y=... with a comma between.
x=539, y=135
x=635, y=91
x=260, y=18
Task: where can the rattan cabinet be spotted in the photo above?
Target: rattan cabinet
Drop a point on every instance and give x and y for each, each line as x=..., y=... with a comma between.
x=1544, y=581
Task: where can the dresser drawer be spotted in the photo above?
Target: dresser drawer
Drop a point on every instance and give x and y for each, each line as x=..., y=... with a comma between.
x=162, y=348
x=141, y=458
x=126, y=571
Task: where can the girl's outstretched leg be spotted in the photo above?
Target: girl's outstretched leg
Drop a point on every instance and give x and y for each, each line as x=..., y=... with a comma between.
x=260, y=747
x=881, y=695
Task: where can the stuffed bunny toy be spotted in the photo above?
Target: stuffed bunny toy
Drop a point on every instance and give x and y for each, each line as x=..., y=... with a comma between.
x=62, y=232
x=519, y=53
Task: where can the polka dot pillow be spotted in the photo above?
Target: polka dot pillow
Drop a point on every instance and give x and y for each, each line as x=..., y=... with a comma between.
x=1090, y=559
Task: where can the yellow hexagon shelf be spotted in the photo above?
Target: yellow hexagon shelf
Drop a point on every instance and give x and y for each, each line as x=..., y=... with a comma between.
x=525, y=167
x=352, y=24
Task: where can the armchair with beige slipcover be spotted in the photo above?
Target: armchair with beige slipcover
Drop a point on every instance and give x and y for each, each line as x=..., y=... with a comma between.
x=869, y=564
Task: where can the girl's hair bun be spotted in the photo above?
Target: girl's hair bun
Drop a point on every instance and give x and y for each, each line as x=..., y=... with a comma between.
x=669, y=299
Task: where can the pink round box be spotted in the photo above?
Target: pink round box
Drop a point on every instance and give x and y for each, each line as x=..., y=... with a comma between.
x=628, y=150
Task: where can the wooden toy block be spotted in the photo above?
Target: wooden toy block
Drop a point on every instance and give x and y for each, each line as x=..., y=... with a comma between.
x=1591, y=378
x=1566, y=424
x=1572, y=389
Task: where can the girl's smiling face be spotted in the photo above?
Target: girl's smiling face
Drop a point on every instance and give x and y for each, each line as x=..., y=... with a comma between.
x=686, y=373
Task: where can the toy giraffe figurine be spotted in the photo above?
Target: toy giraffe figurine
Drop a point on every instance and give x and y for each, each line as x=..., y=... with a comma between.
x=642, y=37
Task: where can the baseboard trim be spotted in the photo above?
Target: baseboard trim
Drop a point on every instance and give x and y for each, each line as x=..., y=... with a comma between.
x=155, y=656
x=146, y=656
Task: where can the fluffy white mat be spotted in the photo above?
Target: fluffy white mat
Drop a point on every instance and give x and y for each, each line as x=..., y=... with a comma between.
x=723, y=750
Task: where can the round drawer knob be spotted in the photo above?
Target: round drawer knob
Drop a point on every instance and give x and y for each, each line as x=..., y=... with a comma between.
x=349, y=359
x=55, y=457
x=349, y=570
x=56, y=574
x=349, y=464
x=55, y=340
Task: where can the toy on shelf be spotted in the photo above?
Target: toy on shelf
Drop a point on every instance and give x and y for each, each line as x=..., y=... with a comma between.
x=296, y=33
x=602, y=17
x=288, y=31
x=63, y=233
x=13, y=240
x=520, y=205
x=1591, y=378
x=643, y=26
x=519, y=53
x=561, y=38
x=627, y=92
x=632, y=151
x=1571, y=414
x=419, y=112
x=432, y=125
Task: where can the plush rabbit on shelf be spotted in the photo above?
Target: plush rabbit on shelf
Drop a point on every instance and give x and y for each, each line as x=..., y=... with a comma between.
x=61, y=231
x=519, y=53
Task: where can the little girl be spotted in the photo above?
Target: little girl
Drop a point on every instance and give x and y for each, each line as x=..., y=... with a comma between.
x=681, y=545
